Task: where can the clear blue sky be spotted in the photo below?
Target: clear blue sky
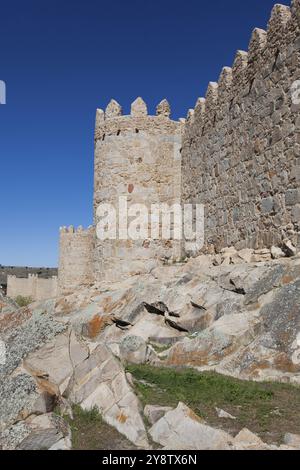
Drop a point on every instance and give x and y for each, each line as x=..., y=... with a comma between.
x=63, y=59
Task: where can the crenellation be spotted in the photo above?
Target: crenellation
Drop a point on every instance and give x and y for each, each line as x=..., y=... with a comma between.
x=239, y=69
x=139, y=108
x=225, y=82
x=113, y=109
x=100, y=118
x=280, y=17
x=163, y=109
x=199, y=112
x=118, y=126
x=295, y=10
x=211, y=99
x=257, y=44
x=224, y=91
x=256, y=50
x=190, y=116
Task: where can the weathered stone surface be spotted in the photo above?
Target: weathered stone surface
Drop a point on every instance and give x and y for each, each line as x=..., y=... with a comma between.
x=133, y=349
x=183, y=429
x=246, y=255
x=27, y=330
x=223, y=414
x=292, y=440
x=281, y=320
x=147, y=328
x=100, y=381
x=214, y=343
x=163, y=109
x=19, y=396
x=113, y=109
x=57, y=359
x=241, y=279
x=44, y=432
x=7, y=305
x=289, y=248
x=138, y=108
x=265, y=284
x=247, y=440
x=154, y=412
x=277, y=252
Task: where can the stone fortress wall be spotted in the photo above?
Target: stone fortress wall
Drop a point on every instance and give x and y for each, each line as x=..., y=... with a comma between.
x=241, y=145
x=33, y=287
x=238, y=153
x=137, y=157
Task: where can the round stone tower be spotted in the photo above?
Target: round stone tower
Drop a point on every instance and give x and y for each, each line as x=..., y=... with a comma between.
x=76, y=258
x=137, y=161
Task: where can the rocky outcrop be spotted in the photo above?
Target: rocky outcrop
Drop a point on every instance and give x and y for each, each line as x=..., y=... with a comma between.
x=259, y=336
x=238, y=318
x=100, y=381
x=47, y=431
x=134, y=349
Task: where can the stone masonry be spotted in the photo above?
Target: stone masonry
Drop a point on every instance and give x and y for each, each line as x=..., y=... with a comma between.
x=76, y=258
x=238, y=154
x=241, y=145
x=137, y=157
x=33, y=287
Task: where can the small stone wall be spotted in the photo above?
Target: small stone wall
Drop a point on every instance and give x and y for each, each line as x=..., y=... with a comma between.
x=34, y=287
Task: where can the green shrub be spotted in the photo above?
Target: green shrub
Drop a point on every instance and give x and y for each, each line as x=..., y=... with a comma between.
x=23, y=301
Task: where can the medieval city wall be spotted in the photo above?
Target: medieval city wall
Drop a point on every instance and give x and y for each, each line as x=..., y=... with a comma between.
x=241, y=145
x=34, y=287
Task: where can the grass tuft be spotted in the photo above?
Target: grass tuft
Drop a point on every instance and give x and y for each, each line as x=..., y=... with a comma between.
x=90, y=432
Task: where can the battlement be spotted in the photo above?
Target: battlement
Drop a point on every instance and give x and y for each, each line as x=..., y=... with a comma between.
x=113, y=122
x=33, y=287
x=264, y=54
x=79, y=230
